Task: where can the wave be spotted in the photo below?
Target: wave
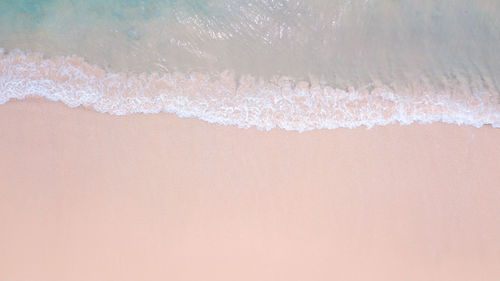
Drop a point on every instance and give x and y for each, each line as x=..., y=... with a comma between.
x=245, y=102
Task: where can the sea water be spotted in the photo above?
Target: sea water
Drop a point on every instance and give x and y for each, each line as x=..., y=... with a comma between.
x=298, y=65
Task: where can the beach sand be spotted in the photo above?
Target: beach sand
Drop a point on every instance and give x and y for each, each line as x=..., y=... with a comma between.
x=88, y=196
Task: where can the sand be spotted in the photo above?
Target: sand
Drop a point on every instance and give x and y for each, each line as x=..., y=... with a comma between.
x=89, y=196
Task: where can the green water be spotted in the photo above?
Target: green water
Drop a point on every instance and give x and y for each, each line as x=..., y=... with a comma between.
x=369, y=61
x=346, y=43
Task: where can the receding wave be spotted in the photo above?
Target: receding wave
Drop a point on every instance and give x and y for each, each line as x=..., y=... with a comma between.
x=225, y=99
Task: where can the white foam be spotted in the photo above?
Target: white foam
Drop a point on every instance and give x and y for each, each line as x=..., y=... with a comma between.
x=280, y=103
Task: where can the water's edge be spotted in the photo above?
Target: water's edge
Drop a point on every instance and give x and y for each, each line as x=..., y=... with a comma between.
x=244, y=102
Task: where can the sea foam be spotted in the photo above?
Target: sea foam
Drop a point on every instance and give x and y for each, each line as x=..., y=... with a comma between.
x=244, y=102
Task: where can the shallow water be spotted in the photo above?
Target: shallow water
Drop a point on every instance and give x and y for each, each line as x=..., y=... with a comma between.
x=297, y=65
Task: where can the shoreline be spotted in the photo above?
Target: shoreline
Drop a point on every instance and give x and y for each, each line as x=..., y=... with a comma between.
x=91, y=196
x=247, y=102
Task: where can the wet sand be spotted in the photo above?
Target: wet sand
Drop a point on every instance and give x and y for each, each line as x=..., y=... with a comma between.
x=89, y=196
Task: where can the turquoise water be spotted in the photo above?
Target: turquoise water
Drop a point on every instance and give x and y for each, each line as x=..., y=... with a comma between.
x=424, y=50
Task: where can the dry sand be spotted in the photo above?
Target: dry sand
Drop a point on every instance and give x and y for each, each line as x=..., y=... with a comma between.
x=88, y=196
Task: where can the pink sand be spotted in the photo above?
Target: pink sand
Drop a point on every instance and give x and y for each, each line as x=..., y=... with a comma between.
x=89, y=196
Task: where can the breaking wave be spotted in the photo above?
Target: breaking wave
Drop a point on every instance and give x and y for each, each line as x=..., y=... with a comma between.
x=243, y=101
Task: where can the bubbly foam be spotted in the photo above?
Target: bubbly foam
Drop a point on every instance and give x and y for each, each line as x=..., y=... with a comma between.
x=226, y=100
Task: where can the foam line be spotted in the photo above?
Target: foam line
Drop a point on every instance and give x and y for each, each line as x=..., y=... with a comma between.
x=245, y=102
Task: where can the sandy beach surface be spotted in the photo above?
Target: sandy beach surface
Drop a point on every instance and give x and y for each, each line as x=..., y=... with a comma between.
x=89, y=196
